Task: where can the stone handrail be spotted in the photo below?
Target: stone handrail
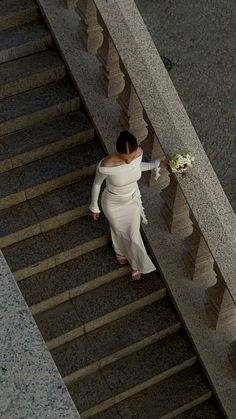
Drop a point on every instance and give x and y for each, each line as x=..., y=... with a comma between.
x=133, y=71
x=31, y=386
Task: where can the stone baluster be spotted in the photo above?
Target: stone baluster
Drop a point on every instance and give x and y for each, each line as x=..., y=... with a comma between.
x=220, y=305
x=199, y=258
x=232, y=354
x=91, y=32
x=70, y=4
x=113, y=78
x=175, y=210
x=131, y=117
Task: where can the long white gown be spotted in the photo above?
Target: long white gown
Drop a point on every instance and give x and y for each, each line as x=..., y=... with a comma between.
x=122, y=206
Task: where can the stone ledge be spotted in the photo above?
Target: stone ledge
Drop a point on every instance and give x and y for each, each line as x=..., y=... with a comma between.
x=31, y=384
x=85, y=70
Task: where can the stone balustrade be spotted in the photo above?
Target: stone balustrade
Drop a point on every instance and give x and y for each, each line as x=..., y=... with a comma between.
x=150, y=108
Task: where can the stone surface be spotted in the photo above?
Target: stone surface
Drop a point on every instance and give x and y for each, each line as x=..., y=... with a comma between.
x=114, y=295
x=108, y=414
x=32, y=101
x=60, y=128
x=30, y=72
x=89, y=391
x=35, y=249
x=58, y=321
x=115, y=336
x=16, y=12
x=160, y=399
x=63, y=199
x=67, y=276
x=198, y=40
x=16, y=218
x=148, y=362
x=78, y=158
x=75, y=233
x=30, y=384
x=28, y=39
x=27, y=252
x=144, y=362
x=207, y=410
x=37, y=210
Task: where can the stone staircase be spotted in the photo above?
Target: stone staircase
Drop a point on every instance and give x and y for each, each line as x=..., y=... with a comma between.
x=119, y=345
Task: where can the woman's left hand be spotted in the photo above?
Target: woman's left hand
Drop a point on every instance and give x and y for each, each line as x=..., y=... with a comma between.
x=164, y=164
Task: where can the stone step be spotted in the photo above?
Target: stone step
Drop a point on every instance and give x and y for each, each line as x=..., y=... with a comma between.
x=41, y=140
x=27, y=39
x=52, y=248
x=208, y=409
x=53, y=172
x=45, y=212
x=16, y=12
x=46, y=290
x=30, y=72
x=169, y=395
x=37, y=105
x=97, y=308
x=116, y=340
x=153, y=362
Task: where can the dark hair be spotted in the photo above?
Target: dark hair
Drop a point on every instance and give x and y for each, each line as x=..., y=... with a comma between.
x=126, y=143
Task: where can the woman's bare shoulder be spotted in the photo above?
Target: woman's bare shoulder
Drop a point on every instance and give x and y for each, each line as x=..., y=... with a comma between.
x=108, y=161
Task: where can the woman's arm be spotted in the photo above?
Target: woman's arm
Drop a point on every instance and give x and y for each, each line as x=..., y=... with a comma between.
x=150, y=165
x=99, y=178
x=161, y=164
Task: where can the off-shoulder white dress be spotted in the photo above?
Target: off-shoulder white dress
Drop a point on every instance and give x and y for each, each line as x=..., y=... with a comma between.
x=122, y=206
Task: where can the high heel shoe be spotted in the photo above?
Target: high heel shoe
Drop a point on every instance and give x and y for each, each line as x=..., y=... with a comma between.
x=136, y=275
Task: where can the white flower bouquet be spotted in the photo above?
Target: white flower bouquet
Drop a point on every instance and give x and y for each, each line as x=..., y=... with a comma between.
x=181, y=161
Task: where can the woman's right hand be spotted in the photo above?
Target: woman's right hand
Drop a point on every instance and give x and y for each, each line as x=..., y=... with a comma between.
x=94, y=215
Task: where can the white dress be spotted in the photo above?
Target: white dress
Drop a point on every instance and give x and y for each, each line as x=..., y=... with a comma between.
x=122, y=206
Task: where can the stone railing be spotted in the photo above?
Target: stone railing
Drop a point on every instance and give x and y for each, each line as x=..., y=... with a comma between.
x=150, y=108
x=31, y=386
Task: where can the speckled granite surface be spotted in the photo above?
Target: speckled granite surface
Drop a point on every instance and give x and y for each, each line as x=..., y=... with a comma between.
x=30, y=385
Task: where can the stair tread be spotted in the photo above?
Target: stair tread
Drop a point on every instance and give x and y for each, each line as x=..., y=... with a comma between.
x=136, y=368
x=45, y=206
x=40, y=135
x=208, y=409
x=25, y=34
x=69, y=275
x=115, y=336
x=162, y=398
x=45, y=245
x=27, y=66
x=99, y=302
x=40, y=171
x=36, y=99
x=10, y=7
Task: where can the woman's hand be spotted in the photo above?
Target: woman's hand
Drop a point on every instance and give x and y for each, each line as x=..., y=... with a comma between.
x=164, y=164
x=94, y=215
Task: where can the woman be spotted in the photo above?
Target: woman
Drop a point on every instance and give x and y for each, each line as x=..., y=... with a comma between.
x=121, y=201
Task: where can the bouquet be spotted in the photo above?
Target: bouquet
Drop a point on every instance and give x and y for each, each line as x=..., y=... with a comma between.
x=181, y=161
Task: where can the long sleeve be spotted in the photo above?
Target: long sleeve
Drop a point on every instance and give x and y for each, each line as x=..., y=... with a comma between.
x=99, y=178
x=150, y=165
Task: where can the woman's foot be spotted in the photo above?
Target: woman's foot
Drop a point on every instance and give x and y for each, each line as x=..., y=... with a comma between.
x=136, y=275
x=121, y=260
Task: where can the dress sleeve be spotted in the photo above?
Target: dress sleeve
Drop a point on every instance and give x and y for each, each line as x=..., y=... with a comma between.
x=99, y=178
x=150, y=166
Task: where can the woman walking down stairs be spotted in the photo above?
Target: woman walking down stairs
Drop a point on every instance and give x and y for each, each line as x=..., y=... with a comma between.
x=119, y=345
